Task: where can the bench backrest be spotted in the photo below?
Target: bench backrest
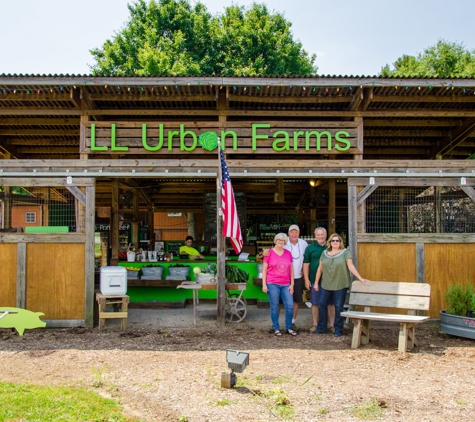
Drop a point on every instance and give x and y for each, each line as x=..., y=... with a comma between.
x=389, y=294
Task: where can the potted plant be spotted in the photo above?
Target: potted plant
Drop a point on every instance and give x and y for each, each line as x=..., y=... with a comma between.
x=206, y=274
x=133, y=273
x=235, y=275
x=178, y=270
x=458, y=318
x=152, y=272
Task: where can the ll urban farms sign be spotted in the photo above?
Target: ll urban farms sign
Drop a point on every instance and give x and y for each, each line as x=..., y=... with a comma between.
x=236, y=137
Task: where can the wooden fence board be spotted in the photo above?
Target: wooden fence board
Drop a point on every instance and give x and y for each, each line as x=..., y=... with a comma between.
x=60, y=295
x=8, y=274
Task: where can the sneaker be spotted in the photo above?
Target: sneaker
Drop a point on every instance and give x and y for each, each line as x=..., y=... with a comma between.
x=337, y=334
x=309, y=304
x=331, y=330
x=313, y=328
x=294, y=328
x=319, y=332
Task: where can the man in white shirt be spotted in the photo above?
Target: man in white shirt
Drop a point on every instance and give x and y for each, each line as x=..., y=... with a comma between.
x=297, y=247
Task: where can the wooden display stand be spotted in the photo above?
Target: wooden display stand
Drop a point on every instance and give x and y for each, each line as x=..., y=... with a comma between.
x=118, y=301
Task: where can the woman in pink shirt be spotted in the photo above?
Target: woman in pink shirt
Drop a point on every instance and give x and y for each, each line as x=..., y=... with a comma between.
x=278, y=283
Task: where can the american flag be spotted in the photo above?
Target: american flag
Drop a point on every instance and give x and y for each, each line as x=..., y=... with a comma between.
x=231, y=225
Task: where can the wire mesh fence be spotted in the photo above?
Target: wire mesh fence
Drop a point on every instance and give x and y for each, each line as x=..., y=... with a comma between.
x=42, y=209
x=419, y=210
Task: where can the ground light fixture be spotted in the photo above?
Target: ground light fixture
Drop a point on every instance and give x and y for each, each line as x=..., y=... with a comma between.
x=237, y=362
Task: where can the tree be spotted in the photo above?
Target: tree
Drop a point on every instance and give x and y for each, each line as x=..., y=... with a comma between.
x=445, y=59
x=172, y=38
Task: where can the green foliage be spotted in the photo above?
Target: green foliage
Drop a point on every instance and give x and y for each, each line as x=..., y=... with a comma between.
x=173, y=38
x=235, y=275
x=43, y=403
x=368, y=410
x=460, y=300
x=279, y=403
x=445, y=59
x=209, y=269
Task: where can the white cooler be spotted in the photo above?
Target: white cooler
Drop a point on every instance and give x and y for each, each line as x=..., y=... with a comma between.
x=113, y=281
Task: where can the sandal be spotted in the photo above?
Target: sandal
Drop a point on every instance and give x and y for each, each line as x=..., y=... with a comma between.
x=277, y=333
x=292, y=332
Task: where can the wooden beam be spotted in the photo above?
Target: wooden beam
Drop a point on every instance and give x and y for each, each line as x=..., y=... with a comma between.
x=155, y=96
x=397, y=181
x=356, y=100
x=47, y=121
x=39, y=132
x=455, y=139
x=368, y=97
x=412, y=123
x=282, y=99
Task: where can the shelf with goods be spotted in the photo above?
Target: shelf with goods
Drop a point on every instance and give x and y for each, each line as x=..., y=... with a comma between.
x=123, y=242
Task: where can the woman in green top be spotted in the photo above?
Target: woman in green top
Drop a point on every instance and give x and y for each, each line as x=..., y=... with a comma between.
x=335, y=266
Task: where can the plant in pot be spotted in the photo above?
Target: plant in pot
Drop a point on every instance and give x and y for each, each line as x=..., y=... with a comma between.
x=206, y=274
x=234, y=274
x=152, y=272
x=178, y=271
x=133, y=273
x=458, y=318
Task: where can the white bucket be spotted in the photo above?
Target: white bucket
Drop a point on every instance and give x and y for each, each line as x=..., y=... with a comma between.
x=259, y=270
x=130, y=256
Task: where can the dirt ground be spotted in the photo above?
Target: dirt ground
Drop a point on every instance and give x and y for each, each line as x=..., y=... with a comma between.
x=173, y=373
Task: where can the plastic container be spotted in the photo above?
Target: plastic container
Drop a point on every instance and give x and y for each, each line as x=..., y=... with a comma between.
x=152, y=273
x=179, y=271
x=113, y=281
x=130, y=256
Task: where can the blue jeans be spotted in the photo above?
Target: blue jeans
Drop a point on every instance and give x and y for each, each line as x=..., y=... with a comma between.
x=276, y=292
x=338, y=297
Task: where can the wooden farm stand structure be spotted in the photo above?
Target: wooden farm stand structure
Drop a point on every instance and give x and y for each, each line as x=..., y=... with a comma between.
x=351, y=135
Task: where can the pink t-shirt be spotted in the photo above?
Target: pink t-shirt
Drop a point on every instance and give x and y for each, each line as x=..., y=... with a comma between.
x=278, y=269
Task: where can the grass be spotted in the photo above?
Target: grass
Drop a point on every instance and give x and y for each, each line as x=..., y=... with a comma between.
x=45, y=403
x=368, y=410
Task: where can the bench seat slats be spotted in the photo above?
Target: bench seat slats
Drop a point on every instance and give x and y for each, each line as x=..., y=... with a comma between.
x=392, y=287
x=384, y=317
x=390, y=301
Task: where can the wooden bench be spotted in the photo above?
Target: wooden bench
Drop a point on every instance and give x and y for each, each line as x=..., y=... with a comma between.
x=387, y=294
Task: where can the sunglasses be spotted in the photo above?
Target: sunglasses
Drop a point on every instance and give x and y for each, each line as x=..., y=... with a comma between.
x=335, y=240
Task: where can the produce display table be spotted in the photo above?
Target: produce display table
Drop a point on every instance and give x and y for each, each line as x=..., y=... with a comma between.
x=235, y=306
x=117, y=301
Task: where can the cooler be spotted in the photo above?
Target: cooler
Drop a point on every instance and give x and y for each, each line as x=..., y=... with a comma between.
x=113, y=281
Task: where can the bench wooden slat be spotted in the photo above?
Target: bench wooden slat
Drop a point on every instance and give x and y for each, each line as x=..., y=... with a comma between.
x=384, y=317
x=392, y=287
x=390, y=301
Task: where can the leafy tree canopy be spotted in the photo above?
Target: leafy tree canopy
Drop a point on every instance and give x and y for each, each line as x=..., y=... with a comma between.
x=173, y=38
x=445, y=59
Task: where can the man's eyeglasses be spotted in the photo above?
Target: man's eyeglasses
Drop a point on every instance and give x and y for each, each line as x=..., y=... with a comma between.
x=335, y=240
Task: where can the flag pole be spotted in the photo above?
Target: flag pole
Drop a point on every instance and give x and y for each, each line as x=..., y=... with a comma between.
x=220, y=246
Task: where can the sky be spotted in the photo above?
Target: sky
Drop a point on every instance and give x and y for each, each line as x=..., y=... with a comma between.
x=349, y=37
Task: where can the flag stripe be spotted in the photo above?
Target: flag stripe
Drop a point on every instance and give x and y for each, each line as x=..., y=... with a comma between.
x=231, y=224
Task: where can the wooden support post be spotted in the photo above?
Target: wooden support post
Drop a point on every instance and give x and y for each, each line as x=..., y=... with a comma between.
x=135, y=221
x=331, y=206
x=402, y=343
x=114, y=230
x=89, y=224
x=150, y=226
